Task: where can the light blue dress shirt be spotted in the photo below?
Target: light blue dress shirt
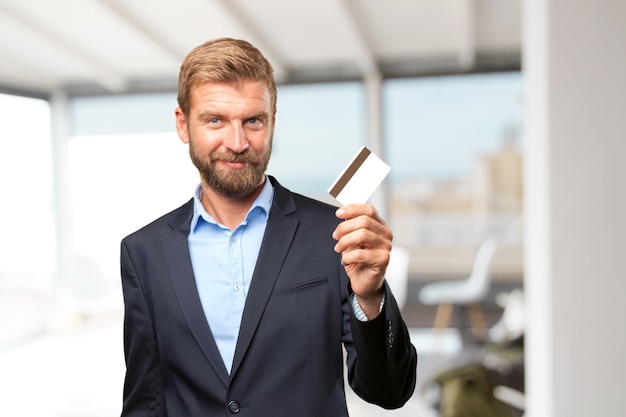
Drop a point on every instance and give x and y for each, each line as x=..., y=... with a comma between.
x=223, y=261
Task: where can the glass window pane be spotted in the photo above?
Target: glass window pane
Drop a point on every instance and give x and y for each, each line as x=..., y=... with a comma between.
x=455, y=147
x=318, y=129
x=436, y=126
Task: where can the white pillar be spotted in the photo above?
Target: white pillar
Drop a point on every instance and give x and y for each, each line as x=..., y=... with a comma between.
x=575, y=175
x=374, y=113
x=62, y=213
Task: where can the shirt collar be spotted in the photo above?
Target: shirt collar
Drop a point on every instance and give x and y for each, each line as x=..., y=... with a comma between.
x=262, y=205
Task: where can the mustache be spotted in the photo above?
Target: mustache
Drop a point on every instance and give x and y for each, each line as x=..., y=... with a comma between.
x=244, y=157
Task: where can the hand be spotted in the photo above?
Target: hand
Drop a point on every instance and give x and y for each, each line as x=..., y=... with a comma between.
x=364, y=241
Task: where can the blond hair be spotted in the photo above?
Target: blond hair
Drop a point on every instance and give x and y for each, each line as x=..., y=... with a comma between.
x=224, y=60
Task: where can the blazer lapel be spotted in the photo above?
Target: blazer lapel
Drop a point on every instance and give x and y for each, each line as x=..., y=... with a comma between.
x=176, y=250
x=279, y=234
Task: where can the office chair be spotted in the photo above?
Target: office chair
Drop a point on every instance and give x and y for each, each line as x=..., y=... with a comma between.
x=470, y=291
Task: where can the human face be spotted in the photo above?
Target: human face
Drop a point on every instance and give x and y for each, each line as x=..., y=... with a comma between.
x=229, y=130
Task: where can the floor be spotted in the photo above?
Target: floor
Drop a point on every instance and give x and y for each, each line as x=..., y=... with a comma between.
x=77, y=370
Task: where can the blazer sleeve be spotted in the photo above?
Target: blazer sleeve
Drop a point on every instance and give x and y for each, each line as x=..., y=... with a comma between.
x=381, y=359
x=143, y=384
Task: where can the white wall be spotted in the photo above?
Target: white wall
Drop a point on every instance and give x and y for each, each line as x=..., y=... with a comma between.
x=575, y=69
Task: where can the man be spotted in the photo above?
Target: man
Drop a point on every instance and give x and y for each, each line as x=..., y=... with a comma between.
x=239, y=301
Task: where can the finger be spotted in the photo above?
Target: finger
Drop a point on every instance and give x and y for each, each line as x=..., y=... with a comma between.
x=377, y=259
x=362, y=224
x=362, y=238
x=351, y=211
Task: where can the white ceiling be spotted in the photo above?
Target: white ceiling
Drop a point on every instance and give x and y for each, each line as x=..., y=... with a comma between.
x=116, y=46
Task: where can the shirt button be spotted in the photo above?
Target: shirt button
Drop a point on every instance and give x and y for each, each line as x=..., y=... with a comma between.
x=236, y=287
x=234, y=239
x=233, y=407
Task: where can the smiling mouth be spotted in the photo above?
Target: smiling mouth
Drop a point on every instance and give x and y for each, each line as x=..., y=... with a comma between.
x=233, y=161
x=235, y=164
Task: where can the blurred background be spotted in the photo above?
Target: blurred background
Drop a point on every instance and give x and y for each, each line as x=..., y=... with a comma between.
x=505, y=193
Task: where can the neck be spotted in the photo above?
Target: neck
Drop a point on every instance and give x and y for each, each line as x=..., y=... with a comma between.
x=228, y=211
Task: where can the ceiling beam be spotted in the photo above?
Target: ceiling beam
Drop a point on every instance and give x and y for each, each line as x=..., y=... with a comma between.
x=155, y=38
x=99, y=72
x=365, y=59
x=249, y=27
x=467, y=34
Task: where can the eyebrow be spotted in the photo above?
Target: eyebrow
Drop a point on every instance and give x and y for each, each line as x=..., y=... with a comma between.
x=261, y=114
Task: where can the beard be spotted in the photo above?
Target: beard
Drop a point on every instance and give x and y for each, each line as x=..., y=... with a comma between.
x=227, y=182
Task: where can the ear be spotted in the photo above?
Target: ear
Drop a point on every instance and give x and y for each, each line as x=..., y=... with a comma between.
x=181, y=125
x=273, y=120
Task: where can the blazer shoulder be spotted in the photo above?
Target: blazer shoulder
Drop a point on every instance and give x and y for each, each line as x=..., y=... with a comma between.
x=179, y=218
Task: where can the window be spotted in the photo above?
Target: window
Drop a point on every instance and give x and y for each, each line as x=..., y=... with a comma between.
x=318, y=129
x=455, y=147
x=454, y=144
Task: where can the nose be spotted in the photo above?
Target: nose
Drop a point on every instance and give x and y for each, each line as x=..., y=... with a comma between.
x=236, y=140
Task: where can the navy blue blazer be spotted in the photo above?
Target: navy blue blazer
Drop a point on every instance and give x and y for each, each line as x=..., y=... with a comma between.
x=288, y=359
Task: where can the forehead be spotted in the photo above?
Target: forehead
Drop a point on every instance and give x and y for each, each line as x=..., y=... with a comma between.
x=247, y=94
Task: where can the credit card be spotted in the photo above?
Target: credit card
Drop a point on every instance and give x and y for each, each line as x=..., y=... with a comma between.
x=360, y=178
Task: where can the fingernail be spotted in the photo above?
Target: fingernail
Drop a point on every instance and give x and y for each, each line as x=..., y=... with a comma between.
x=339, y=213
